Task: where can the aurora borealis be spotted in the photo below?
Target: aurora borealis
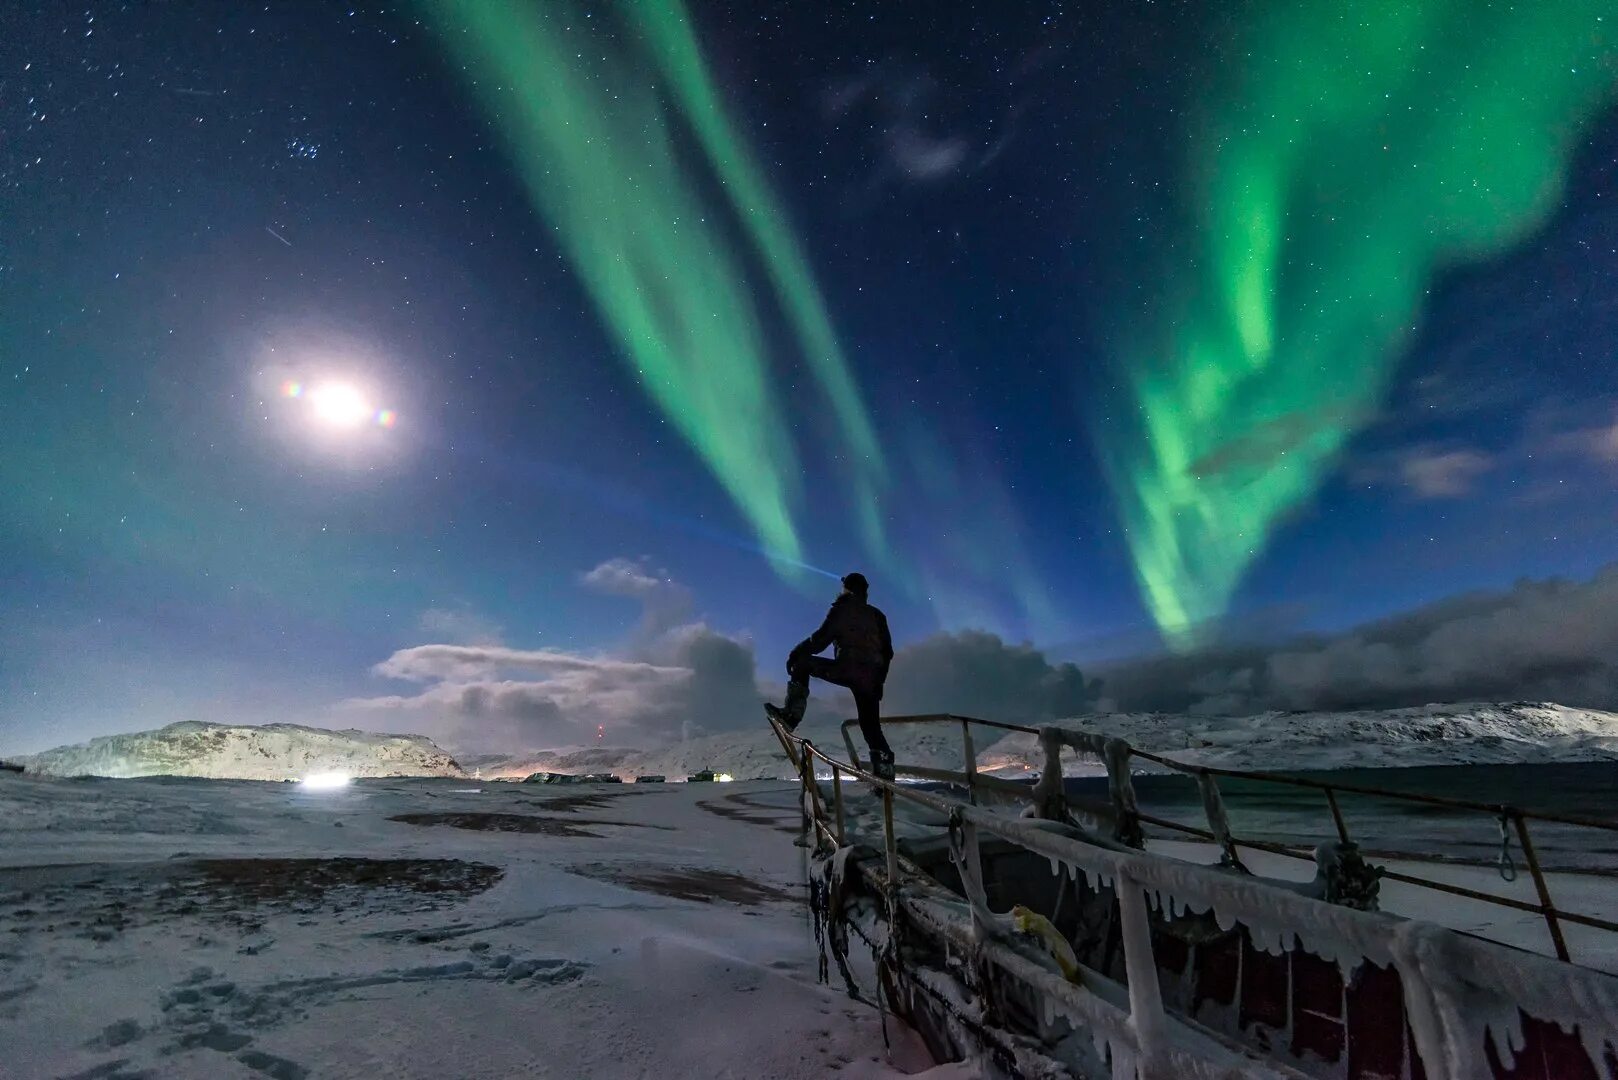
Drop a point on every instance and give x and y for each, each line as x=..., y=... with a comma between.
x=1337, y=164
x=596, y=142
x=1088, y=332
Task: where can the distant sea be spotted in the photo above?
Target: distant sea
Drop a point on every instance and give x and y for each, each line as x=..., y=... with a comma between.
x=1286, y=814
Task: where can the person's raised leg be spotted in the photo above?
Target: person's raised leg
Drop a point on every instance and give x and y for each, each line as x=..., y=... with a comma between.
x=799, y=669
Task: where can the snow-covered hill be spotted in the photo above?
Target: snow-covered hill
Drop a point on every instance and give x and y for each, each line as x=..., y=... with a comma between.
x=1474, y=733
x=1471, y=733
x=244, y=752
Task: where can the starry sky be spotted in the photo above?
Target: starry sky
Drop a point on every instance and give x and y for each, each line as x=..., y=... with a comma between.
x=1084, y=331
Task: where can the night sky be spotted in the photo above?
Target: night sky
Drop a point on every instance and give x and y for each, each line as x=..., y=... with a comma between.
x=1105, y=327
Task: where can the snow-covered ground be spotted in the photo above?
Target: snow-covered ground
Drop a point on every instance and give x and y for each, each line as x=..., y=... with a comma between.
x=246, y=752
x=444, y=927
x=431, y=928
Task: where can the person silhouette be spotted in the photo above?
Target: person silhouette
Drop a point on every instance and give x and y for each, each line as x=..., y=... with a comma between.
x=860, y=661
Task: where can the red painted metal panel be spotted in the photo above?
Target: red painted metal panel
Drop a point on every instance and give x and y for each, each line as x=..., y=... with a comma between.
x=1376, y=1024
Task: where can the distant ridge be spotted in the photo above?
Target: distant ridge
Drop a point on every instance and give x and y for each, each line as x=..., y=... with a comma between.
x=245, y=752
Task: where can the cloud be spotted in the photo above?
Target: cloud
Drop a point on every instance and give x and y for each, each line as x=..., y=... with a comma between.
x=665, y=603
x=500, y=698
x=1448, y=474
x=927, y=157
x=907, y=112
x=427, y=663
x=1267, y=445
x=672, y=675
x=1550, y=640
x=1553, y=442
x=682, y=679
x=975, y=673
x=1598, y=444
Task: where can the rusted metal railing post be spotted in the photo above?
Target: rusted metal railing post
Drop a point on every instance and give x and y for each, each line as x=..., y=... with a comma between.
x=1551, y=921
x=786, y=744
x=1337, y=815
x=1213, y=806
x=1121, y=789
x=971, y=762
x=806, y=803
x=848, y=741
x=1140, y=970
x=972, y=880
x=1050, y=801
x=837, y=796
x=890, y=843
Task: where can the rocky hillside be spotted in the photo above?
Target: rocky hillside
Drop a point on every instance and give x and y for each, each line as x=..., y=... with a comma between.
x=245, y=752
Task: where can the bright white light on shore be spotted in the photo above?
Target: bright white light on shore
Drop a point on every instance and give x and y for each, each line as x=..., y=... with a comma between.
x=725, y=778
x=326, y=780
x=340, y=405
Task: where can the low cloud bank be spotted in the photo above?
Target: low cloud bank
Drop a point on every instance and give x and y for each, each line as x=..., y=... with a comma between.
x=974, y=673
x=676, y=678
x=1552, y=640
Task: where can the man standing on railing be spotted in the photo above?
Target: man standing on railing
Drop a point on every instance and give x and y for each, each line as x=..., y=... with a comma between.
x=864, y=650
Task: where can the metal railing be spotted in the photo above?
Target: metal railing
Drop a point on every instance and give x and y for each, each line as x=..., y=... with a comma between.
x=1443, y=1013
x=1117, y=754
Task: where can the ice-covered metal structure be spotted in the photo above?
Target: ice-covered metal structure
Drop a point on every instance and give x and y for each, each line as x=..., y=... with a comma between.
x=1008, y=928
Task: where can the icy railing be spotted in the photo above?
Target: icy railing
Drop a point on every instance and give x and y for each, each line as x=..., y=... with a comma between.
x=1047, y=796
x=1459, y=991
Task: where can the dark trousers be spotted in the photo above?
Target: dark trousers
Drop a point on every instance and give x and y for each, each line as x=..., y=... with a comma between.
x=865, y=683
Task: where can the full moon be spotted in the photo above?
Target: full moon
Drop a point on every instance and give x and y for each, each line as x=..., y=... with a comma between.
x=340, y=405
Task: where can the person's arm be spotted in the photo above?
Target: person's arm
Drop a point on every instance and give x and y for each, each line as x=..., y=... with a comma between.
x=820, y=639
x=887, y=640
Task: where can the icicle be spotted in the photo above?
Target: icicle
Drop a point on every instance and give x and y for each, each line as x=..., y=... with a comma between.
x=1513, y=1041
x=1123, y=1063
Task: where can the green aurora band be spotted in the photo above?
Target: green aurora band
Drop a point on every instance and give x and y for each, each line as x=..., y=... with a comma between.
x=1345, y=155
x=586, y=112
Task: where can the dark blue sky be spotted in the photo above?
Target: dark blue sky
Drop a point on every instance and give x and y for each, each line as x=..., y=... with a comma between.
x=198, y=199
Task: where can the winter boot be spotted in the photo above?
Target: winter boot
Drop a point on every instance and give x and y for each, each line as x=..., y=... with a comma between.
x=882, y=764
x=790, y=714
